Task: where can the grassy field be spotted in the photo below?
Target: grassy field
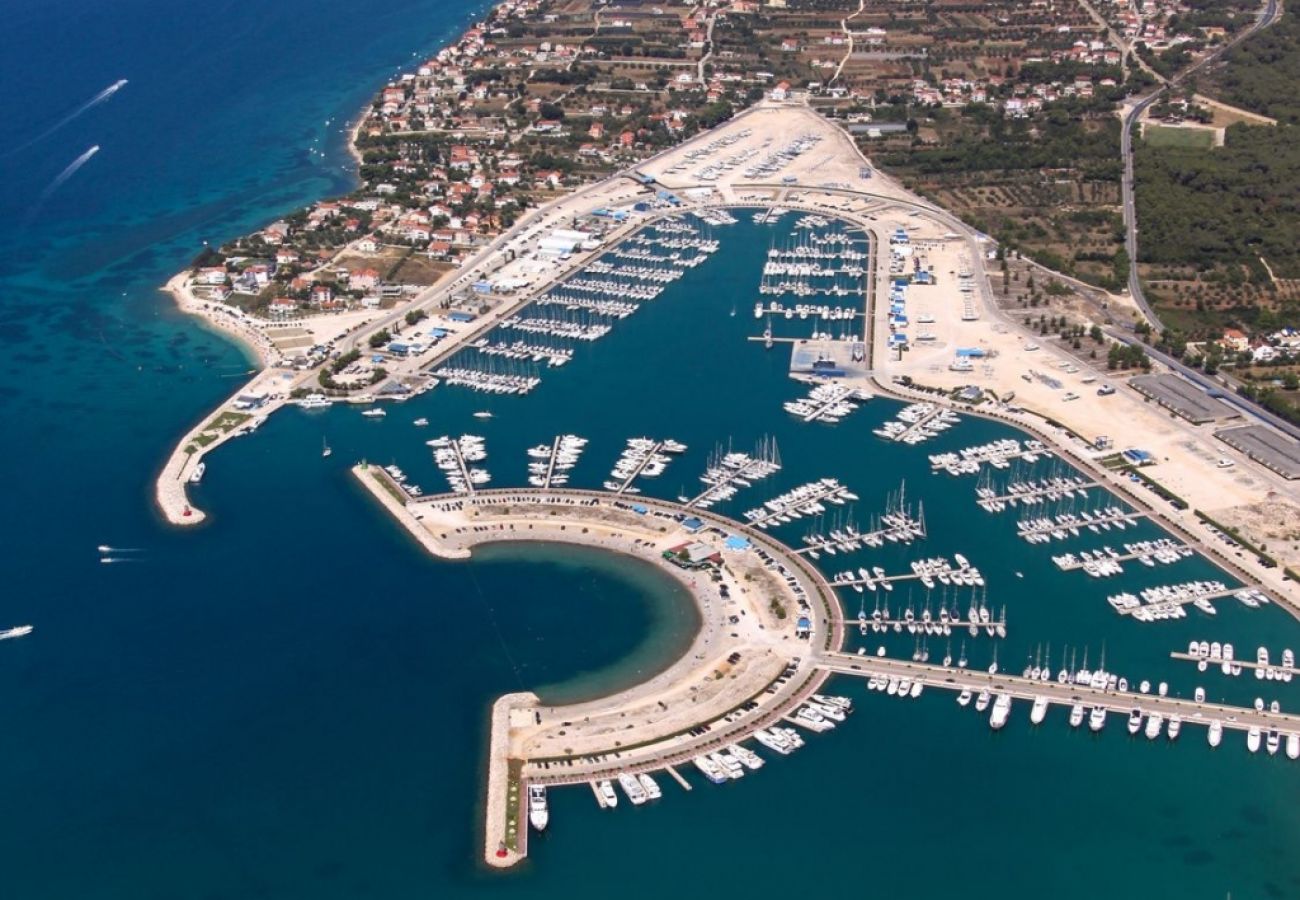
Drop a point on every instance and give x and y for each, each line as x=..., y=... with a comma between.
x=1167, y=136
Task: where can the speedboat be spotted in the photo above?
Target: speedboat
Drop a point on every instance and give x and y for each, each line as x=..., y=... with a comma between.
x=1272, y=741
x=1134, y=721
x=963, y=699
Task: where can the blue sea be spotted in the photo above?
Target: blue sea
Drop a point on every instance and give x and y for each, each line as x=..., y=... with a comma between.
x=291, y=701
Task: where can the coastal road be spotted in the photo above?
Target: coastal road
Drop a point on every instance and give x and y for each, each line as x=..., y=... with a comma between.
x=1268, y=16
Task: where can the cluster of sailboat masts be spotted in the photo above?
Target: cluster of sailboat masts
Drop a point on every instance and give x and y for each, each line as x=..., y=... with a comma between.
x=809, y=263
x=580, y=309
x=552, y=355
x=481, y=375
x=1028, y=491
x=999, y=454
x=898, y=524
x=728, y=470
x=979, y=617
x=1044, y=529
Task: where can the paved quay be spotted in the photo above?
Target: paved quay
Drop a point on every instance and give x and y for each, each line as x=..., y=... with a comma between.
x=1237, y=718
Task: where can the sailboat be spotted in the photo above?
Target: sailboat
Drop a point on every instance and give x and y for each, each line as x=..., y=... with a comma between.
x=325, y=448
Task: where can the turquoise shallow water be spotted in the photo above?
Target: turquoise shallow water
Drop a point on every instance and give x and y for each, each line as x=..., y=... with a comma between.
x=291, y=701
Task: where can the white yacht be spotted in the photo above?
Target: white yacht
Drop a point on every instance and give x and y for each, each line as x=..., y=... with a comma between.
x=1097, y=718
x=711, y=770
x=607, y=794
x=631, y=786
x=1155, y=722
x=1039, y=710
x=1001, y=710
x=963, y=699
x=538, y=810
x=1134, y=721
x=1272, y=741
x=197, y=475
x=1175, y=725
x=1216, y=733
x=649, y=785
x=373, y=413
x=982, y=701
x=1293, y=746
x=1252, y=739
x=17, y=632
x=1076, y=715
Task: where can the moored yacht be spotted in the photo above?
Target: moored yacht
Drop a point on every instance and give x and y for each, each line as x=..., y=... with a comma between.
x=1097, y=718
x=1076, y=715
x=1252, y=739
x=1001, y=711
x=538, y=809
x=1216, y=733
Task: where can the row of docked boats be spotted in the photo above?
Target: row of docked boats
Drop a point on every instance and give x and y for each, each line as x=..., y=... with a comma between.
x=999, y=454
x=549, y=464
x=1067, y=524
x=1168, y=601
x=454, y=456
x=729, y=471
x=1028, y=491
x=805, y=500
x=1224, y=657
x=1108, y=561
x=643, y=457
x=917, y=423
x=827, y=402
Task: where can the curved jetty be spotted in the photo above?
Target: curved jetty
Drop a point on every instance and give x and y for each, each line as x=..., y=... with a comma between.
x=764, y=612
